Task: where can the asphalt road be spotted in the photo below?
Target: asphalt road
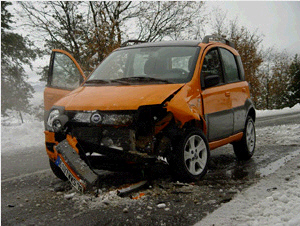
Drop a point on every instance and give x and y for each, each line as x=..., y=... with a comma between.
x=32, y=195
x=284, y=119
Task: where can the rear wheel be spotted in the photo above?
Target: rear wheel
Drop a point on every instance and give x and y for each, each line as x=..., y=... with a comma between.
x=190, y=157
x=57, y=171
x=244, y=149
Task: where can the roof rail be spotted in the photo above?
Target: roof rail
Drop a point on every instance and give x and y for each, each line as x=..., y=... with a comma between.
x=134, y=41
x=226, y=41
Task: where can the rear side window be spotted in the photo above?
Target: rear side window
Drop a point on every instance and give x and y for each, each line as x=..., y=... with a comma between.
x=230, y=66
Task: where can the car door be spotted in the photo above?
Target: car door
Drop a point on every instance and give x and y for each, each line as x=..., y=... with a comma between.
x=216, y=98
x=237, y=87
x=64, y=76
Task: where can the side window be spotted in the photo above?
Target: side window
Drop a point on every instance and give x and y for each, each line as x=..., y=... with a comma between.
x=230, y=66
x=212, y=65
x=65, y=74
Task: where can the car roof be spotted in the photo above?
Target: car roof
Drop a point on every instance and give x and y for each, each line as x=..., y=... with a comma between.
x=194, y=43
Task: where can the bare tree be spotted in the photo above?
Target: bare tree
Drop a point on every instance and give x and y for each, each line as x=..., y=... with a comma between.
x=175, y=20
x=91, y=30
x=105, y=30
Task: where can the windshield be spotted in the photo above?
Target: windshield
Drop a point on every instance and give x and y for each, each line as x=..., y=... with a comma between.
x=168, y=64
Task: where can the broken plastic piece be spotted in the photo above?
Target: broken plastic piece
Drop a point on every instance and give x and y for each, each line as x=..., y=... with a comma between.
x=126, y=191
x=73, y=142
x=139, y=196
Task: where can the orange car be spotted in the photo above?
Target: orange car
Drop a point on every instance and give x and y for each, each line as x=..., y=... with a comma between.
x=177, y=99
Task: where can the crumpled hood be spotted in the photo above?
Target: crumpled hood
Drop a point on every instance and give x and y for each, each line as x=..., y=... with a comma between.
x=113, y=98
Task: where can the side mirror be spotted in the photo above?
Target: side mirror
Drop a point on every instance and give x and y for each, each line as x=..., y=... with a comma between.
x=211, y=80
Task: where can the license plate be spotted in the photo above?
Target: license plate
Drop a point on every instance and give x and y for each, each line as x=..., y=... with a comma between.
x=73, y=180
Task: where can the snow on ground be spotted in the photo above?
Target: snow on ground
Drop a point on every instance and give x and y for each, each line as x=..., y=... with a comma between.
x=284, y=134
x=263, y=113
x=273, y=201
x=20, y=137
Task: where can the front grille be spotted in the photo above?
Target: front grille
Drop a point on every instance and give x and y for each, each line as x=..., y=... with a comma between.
x=87, y=134
x=106, y=136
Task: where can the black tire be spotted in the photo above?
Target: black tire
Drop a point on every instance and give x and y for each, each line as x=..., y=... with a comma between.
x=244, y=149
x=190, y=156
x=57, y=171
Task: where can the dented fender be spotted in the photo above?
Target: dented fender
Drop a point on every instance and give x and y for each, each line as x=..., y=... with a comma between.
x=186, y=106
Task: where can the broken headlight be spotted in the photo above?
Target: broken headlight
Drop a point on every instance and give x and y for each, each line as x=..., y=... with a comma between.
x=56, y=120
x=53, y=115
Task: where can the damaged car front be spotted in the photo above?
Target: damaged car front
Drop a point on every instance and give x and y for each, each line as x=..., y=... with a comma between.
x=125, y=112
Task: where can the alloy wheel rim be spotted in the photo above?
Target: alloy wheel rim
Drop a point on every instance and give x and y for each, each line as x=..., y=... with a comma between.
x=250, y=136
x=195, y=155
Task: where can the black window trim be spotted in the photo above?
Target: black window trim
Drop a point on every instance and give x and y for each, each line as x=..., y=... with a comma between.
x=240, y=67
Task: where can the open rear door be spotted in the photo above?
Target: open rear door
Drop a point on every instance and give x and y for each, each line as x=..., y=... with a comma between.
x=64, y=76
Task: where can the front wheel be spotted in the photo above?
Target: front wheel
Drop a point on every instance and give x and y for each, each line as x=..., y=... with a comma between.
x=244, y=149
x=190, y=158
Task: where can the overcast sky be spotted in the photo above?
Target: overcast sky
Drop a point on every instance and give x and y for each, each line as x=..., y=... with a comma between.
x=278, y=21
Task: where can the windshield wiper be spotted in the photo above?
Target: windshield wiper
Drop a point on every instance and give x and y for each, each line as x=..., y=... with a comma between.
x=141, y=79
x=97, y=81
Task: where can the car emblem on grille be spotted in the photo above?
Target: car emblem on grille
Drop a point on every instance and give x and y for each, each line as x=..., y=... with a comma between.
x=96, y=118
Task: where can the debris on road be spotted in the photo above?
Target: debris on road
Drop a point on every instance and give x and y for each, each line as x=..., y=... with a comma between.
x=161, y=205
x=139, y=196
x=180, y=184
x=134, y=187
x=69, y=196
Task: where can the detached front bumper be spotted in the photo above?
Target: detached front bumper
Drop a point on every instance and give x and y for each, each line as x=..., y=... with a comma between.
x=66, y=156
x=75, y=169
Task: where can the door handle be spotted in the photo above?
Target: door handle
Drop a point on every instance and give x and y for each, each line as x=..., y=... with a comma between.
x=227, y=94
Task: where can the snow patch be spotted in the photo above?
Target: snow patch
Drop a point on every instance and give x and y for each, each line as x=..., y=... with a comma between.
x=18, y=137
x=283, y=134
x=287, y=110
x=260, y=205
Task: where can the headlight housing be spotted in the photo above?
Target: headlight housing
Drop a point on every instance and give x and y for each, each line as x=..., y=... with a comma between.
x=53, y=118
